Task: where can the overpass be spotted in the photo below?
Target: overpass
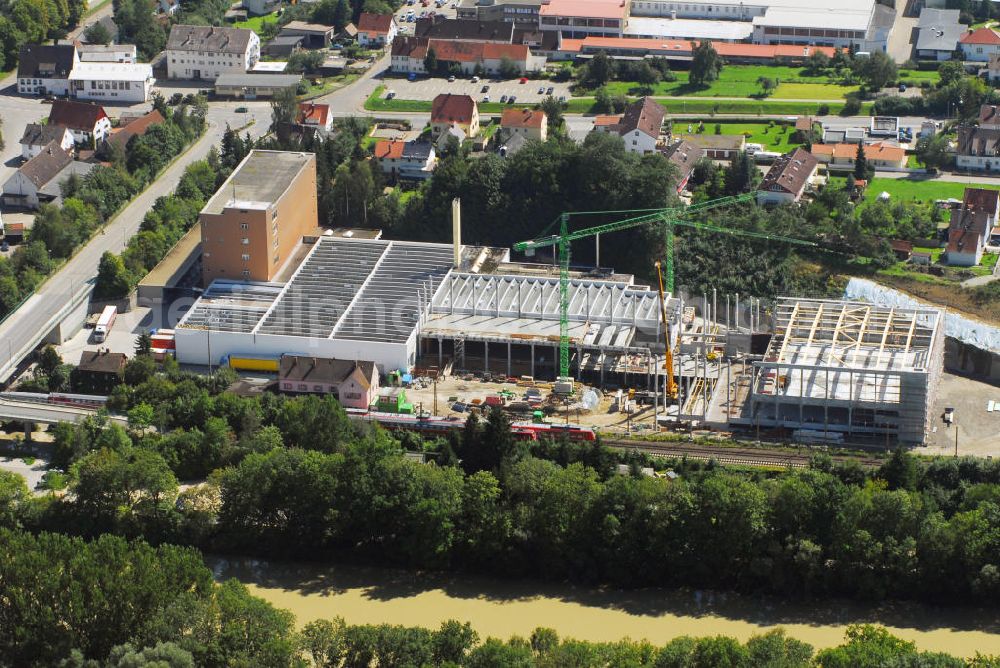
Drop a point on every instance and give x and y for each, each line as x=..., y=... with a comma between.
x=28, y=411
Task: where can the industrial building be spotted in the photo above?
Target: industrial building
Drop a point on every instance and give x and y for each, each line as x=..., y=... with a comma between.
x=847, y=368
x=260, y=214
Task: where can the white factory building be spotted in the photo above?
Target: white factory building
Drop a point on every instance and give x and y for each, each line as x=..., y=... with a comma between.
x=112, y=82
x=396, y=303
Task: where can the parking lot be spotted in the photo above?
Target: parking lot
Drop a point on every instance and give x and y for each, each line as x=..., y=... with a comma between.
x=425, y=88
x=448, y=10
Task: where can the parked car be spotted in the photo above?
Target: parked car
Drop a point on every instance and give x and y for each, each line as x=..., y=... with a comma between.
x=541, y=90
x=241, y=110
x=475, y=79
x=562, y=99
x=550, y=90
x=512, y=99
x=485, y=89
x=486, y=98
x=451, y=79
x=412, y=76
x=390, y=94
x=4, y=247
x=524, y=80
x=503, y=99
x=902, y=88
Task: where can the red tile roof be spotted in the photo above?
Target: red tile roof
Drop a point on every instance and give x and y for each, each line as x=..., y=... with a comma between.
x=375, y=23
x=448, y=108
x=76, y=115
x=876, y=151
x=592, y=9
x=313, y=114
x=606, y=120
x=387, y=148
x=136, y=127
x=684, y=47
x=981, y=199
x=980, y=36
x=790, y=172
x=522, y=118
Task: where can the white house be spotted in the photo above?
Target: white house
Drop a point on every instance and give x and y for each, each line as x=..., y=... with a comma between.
x=44, y=69
x=36, y=137
x=205, y=52
x=87, y=122
x=169, y=7
x=23, y=188
x=114, y=82
x=971, y=227
x=787, y=179
x=978, y=149
x=978, y=45
x=405, y=159
x=639, y=127
x=376, y=30
x=260, y=7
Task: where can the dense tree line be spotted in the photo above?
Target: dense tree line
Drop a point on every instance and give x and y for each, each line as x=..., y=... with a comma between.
x=69, y=602
x=295, y=478
x=34, y=22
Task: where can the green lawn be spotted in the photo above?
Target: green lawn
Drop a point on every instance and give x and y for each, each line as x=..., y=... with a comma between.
x=934, y=251
x=741, y=81
x=772, y=138
x=328, y=85
x=921, y=189
x=256, y=23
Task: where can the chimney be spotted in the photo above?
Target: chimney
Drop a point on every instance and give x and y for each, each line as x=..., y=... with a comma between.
x=456, y=231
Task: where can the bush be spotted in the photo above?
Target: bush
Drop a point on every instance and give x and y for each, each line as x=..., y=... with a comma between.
x=852, y=107
x=823, y=110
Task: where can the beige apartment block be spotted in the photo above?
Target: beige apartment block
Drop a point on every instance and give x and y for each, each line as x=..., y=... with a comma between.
x=258, y=216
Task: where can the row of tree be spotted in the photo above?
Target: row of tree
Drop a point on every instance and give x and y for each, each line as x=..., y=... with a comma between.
x=67, y=603
x=138, y=24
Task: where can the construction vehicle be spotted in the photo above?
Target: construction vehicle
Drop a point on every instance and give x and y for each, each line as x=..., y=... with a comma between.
x=671, y=216
x=670, y=391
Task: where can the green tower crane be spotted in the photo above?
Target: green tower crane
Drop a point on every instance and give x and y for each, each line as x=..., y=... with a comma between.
x=672, y=216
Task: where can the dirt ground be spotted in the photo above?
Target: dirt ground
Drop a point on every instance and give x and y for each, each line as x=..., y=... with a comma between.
x=453, y=389
x=978, y=430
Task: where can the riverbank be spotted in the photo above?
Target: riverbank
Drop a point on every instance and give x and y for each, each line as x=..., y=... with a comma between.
x=498, y=608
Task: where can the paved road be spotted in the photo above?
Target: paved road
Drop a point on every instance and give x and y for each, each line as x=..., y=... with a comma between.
x=32, y=473
x=27, y=323
x=11, y=409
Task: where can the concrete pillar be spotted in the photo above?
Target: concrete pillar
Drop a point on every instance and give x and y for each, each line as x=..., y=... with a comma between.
x=486, y=355
x=508, y=359
x=532, y=360
x=440, y=354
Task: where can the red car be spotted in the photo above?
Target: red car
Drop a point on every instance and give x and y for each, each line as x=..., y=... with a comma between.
x=524, y=79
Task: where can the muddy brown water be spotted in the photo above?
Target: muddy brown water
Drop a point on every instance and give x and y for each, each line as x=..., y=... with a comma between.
x=503, y=608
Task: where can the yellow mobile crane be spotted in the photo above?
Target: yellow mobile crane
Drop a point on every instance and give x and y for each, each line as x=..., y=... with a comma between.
x=671, y=390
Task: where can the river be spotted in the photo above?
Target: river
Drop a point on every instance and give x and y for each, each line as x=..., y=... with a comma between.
x=503, y=608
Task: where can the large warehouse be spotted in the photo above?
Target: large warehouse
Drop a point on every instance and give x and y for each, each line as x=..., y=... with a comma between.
x=401, y=304
x=848, y=367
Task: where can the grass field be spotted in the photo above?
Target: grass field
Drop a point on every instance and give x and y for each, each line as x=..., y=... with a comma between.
x=772, y=137
x=328, y=85
x=741, y=81
x=922, y=189
x=256, y=23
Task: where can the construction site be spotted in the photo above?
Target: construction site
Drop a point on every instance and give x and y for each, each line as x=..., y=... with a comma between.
x=608, y=351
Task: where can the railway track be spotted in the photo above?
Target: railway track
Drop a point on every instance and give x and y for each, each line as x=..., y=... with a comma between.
x=727, y=455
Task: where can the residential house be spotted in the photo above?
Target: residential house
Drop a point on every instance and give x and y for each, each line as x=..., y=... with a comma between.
x=989, y=117
x=881, y=155
x=993, y=69
x=44, y=69
x=106, y=53
x=715, y=147
x=683, y=155
x=451, y=133
x=978, y=149
x=405, y=159
x=36, y=137
x=169, y=7
x=113, y=82
x=88, y=122
x=99, y=372
x=450, y=110
x=261, y=7
x=23, y=188
x=376, y=30
x=531, y=123
x=639, y=127
x=315, y=35
x=206, y=52
x=408, y=54
x=971, y=227
x=513, y=144
x=787, y=179
x=354, y=384
x=109, y=24
x=978, y=45
x=938, y=32
x=134, y=128
x=903, y=250
x=315, y=115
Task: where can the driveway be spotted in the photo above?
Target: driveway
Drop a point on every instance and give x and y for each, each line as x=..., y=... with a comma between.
x=904, y=34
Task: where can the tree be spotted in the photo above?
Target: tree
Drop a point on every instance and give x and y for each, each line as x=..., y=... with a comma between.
x=144, y=344
x=767, y=85
x=741, y=175
x=113, y=281
x=431, y=61
x=553, y=109
x=97, y=33
x=932, y=152
x=600, y=69
x=508, y=68
x=861, y=168
x=284, y=107
x=950, y=71
x=817, y=62
x=13, y=495
x=877, y=70
x=706, y=64
x=48, y=359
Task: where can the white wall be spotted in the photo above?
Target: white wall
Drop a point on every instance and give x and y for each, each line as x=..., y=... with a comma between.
x=39, y=86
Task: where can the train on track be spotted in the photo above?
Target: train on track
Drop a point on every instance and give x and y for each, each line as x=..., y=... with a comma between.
x=60, y=398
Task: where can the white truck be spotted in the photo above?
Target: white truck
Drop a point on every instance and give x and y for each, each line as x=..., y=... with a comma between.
x=105, y=323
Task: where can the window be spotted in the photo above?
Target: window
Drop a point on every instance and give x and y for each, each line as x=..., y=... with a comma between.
x=303, y=387
x=246, y=257
x=245, y=241
x=317, y=388
x=244, y=226
x=246, y=273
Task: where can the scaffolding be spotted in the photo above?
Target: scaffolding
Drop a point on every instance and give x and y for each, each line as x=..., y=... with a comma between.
x=848, y=367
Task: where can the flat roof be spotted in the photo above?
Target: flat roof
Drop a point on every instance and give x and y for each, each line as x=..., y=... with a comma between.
x=846, y=15
x=266, y=66
x=651, y=27
x=97, y=70
x=259, y=180
x=266, y=80
x=166, y=269
x=598, y=9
